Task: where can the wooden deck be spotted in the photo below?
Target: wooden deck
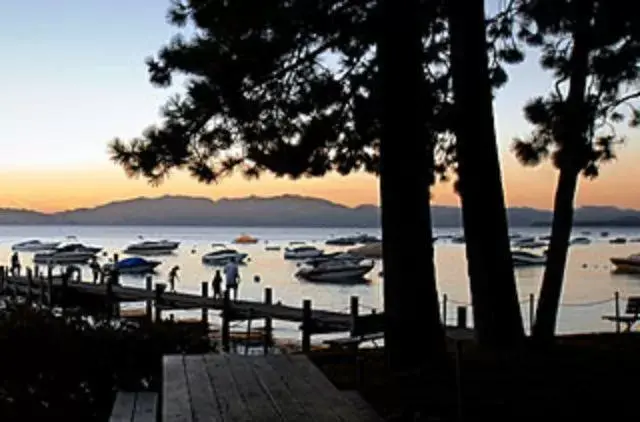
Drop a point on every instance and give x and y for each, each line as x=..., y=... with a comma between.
x=234, y=388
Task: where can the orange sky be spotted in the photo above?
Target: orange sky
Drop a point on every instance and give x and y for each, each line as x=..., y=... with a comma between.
x=57, y=189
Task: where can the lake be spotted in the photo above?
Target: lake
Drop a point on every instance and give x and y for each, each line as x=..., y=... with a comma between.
x=588, y=292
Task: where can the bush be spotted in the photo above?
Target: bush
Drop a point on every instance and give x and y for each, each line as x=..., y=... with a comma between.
x=68, y=368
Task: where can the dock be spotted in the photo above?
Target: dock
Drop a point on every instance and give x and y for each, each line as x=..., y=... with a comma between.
x=222, y=387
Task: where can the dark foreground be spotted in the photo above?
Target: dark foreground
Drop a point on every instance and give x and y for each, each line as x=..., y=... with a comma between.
x=582, y=377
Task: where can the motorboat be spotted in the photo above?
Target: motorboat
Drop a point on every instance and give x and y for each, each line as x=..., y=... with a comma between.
x=302, y=252
x=34, y=246
x=223, y=255
x=629, y=264
x=336, y=271
x=245, y=239
x=529, y=243
x=73, y=253
x=527, y=259
x=618, y=241
x=272, y=248
x=152, y=247
x=580, y=241
x=337, y=256
x=134, y=265
x=341, y=241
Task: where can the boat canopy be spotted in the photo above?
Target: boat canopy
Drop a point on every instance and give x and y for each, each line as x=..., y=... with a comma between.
x=131, y=262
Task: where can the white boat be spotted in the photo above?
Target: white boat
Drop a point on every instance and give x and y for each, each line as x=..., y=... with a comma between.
x=222, y=256
x=302, y=252
x=527, y=259
x=34, y=246
x=152, y=247
x=337, y=256
x=73, y=253
x=629, y=264
x=529, y=243
x=336, y=271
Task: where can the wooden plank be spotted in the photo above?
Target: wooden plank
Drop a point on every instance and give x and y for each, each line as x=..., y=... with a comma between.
x=355, y=399
x=313, y=376
x=146, y=407
x=123, y=407
x=289, y=408
x=203, y=400
x=231, y=405
x=320, y=409
x=176, y=404
x=259, y=404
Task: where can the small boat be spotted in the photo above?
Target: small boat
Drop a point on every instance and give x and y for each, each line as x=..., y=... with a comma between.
x=73, y=253
x=336, y=271
x=302, y=252
x=341, y=241
x=527, y=259
x=135, y=265
x=580, y=241
x=337, y=256
x=618, y=241
x=152, y=247
x=245, y=239
x=223, y=256
x=458, y=240
x=529, y=243
x=629, y=264
x=371, y=250
x=272, y=248
x=34, y=246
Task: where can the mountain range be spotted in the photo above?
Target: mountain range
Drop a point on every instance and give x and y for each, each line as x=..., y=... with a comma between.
x=282, y=211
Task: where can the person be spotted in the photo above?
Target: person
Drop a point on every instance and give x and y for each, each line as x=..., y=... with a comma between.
x=232, y=277
x=95, y=269
x=216, y=284
x=173, y=275
x=15, y=264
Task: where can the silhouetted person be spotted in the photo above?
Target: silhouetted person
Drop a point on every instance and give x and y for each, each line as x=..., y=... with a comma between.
x=232, y=277
x=216, y=284
x=173, y=275
x=70, y=271
x=15, y=264
x=95, y=269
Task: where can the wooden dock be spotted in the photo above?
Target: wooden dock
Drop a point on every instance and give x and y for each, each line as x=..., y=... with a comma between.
x=271, y=388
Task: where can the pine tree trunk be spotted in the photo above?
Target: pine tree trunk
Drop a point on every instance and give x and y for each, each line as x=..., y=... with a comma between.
x=571, y=162
x=406, y=166
x=496, y=311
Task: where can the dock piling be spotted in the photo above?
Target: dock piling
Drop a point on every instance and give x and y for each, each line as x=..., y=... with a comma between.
x=226, y=316
x=462, y=317
x=205, y=311
x=306, y=326
x=268, y=322
x=148, y=281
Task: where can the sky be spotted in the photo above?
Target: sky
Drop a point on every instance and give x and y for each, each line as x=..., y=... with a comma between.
x=73, y=77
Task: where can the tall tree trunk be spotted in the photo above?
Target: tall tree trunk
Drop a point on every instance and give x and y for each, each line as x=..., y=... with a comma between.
x=496, y=310
x=406, y=165
x=571, y=162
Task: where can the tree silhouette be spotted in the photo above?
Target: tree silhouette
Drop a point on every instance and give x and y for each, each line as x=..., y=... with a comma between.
x=593, y=49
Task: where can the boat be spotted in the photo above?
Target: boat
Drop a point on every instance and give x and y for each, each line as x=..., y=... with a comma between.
x=529, y=243
x=341, y=241
x=337, y=256
x=629, y=264
x=245, y=239
x=134, y=265
x=223, y=255
x=580, y=241
x=335, y=271
x=272, y=248
x=527, y=259
x=73, y=253
x=152, y=247
x=34, y=246
x=302, y=252
x=371, y=250
x=618, y=241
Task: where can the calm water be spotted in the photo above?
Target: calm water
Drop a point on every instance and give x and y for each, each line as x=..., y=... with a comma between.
x=588, y=292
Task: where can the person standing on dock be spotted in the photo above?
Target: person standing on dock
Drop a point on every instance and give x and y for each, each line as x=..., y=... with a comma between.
x=232, y=277
x=15, y=264
x=216, y=284
x=173, y=274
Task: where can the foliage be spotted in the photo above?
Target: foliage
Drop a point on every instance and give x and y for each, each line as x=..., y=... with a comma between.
x=56, y=368
x=613, y=84
x=289, y=88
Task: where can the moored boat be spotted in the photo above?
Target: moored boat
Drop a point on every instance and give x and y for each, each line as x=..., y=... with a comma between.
x=152, y=247
x=336, y=271
x=527, y=259
x=135, y=265
x=73, y=253
x=629, y=264
x=245, y=239
x=223, y=256
x=34, y=245
x=302, y=252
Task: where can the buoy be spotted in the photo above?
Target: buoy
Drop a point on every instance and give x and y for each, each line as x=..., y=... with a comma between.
x=256, y=278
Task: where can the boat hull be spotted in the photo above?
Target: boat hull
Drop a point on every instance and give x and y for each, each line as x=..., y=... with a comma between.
x=302, y=254
x=149, y=251
x=623, y=265
x=334, y=275
x=35, y=247
x=62, y=259
x=223, y=259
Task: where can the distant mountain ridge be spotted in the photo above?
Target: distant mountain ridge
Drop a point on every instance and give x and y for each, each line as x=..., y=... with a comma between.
x=281, y=211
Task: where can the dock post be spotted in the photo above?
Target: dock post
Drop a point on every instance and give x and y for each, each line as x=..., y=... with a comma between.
x=306, y=326
x=41, y=283
x=445, y=299
x=109, y=297
x=63, y=293
x=354, y=313
x=158, y=302
x=148, y=304
x=268, y=323
x=36, y=271
x=248, y=338
x=50, y=286
x=226, y=314
x=205, y=311
x=617, y=304
x=462, y=317
x=2, y=280
x=29, y=295
x=531, y=312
